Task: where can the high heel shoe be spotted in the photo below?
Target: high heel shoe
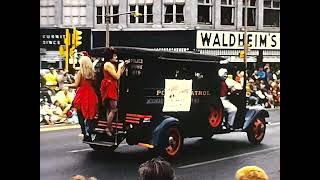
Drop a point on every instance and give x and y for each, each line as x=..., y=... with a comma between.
x=108, y=131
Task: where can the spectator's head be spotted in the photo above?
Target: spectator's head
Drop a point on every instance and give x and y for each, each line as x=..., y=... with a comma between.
x=260, y=68
x=78, y=177
x=223, y=73
x=268, y=70
x=111, y=55
x=56, y=103
x=156, y=169
x=51, y=69
x=86, y=67
x=92, y=178
x=251, y=173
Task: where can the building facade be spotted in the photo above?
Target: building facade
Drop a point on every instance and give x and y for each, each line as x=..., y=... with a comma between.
x=209, y=26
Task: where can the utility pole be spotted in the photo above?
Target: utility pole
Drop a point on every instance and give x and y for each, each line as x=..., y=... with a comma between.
x=107, y=22
x=245, y=32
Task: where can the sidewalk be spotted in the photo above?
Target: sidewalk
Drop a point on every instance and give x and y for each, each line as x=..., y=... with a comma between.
x=45, y=128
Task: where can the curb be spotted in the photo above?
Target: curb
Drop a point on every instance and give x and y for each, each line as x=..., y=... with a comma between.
x=60, y=127
x=273, y=109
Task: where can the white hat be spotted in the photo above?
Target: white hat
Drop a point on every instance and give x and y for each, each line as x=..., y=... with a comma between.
x=222, y=71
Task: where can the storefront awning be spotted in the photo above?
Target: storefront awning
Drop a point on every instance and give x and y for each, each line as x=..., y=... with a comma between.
x=271, y=59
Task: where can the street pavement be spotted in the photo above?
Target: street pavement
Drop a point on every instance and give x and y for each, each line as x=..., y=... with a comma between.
x=62, y=155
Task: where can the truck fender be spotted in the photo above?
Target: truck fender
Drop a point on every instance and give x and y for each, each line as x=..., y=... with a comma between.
x=252, y=114
x=158, y=135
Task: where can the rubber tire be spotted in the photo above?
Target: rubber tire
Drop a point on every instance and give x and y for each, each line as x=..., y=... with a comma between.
x=250, y=132
x=163, y=152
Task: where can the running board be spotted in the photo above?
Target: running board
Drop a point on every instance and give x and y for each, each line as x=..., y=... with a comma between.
x=100, y=143
x=99, y=130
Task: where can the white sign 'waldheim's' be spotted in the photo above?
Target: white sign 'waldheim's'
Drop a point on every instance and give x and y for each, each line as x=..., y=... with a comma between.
x=235, y=40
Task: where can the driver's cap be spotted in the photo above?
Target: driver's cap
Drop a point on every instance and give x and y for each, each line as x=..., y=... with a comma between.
x=222, y=71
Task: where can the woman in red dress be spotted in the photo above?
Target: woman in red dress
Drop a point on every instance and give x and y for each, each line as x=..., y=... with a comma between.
x=109, y=86
x=85, y=100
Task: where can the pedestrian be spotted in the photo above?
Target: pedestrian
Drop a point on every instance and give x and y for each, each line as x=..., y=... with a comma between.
x=85, y=100
x=112, y=71
x=156, y=169
x=64, y=97
x=51, y=79
x=251, y=173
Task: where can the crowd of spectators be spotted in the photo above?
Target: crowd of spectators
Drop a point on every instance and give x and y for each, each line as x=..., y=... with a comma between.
x=55, y=99
x=263, y=87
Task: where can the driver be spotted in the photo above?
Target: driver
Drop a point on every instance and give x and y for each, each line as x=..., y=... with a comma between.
x=228, y=85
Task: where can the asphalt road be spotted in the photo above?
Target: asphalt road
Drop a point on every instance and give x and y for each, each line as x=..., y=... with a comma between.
x=62, y=155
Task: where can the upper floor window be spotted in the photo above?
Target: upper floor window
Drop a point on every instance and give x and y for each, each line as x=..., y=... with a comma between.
x=101, y=12
x=251, y=19
x=74, y=12
x=145, y=8
x=205, y=11
x=227, y=12
x=271, y=13
x=174, y=11
x=47, y=12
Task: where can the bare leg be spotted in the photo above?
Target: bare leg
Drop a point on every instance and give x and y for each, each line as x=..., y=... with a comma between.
x=110, y=116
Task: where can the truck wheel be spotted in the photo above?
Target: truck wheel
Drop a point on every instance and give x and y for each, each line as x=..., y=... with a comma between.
x=256, y=130
x=175, y=143
x=215, y=116
x=103, y=148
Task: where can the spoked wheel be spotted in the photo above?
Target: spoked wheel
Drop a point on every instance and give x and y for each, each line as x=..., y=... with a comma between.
x=257, y=130
x=175, y=142
x=215, y=116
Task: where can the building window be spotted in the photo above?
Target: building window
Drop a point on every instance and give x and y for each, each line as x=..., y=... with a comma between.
x=74, y=12
x=179, y=14
x=168, y=17
x=146, y=11
x=101, y=11
x=149, y=14
x=99, y=15
x=251, y=20
x=204, y=11
x=227, y=12
x=174, y=11
x=271, y=13
x=47, y=12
